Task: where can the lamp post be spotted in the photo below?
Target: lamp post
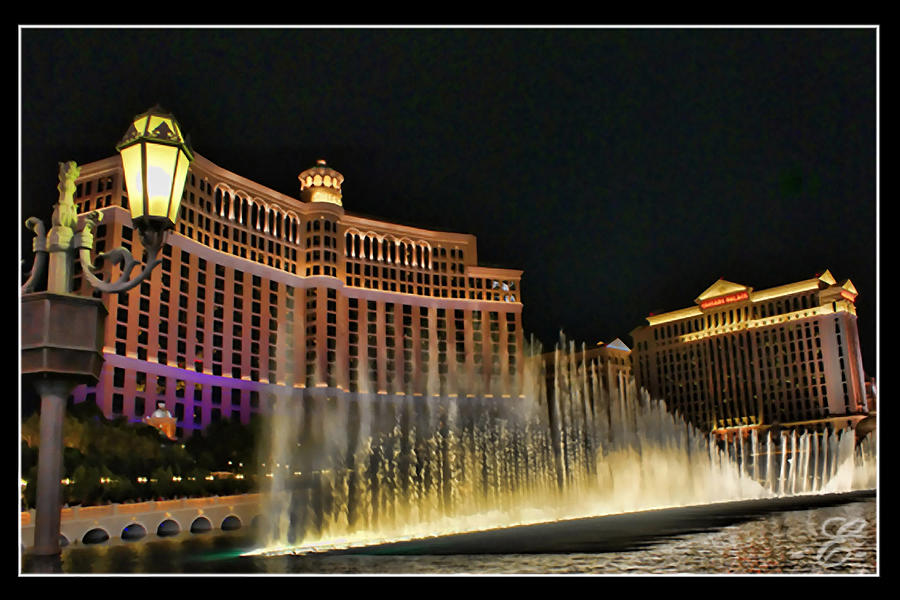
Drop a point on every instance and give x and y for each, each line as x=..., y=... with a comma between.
x=62, y=332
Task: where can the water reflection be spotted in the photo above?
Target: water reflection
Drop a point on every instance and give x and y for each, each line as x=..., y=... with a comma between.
x=834, y=539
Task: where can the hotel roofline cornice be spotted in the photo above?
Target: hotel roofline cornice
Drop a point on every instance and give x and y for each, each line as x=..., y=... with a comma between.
x=784, y=290
x=348, y=217
x=476, y=270
x=675, y=315
x=239, y=184
x=100, y=166
x=754, y=296
x=367, y=223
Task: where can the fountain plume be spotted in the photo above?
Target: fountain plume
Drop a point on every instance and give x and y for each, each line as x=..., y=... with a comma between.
x=367, y=469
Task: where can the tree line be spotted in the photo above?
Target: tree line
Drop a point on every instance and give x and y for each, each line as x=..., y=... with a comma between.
x=117, y=461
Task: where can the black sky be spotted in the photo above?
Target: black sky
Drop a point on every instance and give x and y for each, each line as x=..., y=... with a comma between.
x=623, y=170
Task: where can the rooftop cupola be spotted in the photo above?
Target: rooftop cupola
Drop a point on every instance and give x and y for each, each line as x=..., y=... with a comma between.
x=321, y=183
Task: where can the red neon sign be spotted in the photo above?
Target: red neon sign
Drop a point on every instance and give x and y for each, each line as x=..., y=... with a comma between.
x=849, y=296
x=725, y=300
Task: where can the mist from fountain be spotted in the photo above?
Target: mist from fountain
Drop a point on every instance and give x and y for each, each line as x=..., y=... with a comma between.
x=358, y=469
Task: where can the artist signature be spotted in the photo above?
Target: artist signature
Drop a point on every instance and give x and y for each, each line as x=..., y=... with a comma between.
x=840, y=541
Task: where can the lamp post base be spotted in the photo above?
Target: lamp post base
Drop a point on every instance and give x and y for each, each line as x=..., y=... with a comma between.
x=54, y=393
x=42, y=563
x=62, y=343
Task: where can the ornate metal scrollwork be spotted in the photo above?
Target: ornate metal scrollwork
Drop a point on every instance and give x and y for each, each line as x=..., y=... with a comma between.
x=39, y=245
x=59, y=241
x=152, y=241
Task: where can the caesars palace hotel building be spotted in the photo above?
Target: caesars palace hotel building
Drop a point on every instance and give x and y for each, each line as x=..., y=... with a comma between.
x=740, y=358
x=259, y=292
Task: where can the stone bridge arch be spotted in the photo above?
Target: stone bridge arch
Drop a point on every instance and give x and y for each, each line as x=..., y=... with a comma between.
x=168, y=527
x=156, y=518
x=201, y=524
x=95, y=535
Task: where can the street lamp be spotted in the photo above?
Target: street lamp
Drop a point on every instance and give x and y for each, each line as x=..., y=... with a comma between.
x=62, y=332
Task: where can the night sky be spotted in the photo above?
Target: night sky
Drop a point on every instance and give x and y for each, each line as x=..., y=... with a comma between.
x=623, y=171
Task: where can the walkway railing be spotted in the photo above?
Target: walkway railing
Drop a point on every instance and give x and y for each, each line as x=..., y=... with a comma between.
x=80, y=513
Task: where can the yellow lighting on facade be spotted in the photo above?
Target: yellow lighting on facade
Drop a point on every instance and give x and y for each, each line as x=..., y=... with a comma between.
x=676, y=315
x=783, y=290
x=321, y=183
x=734, y=313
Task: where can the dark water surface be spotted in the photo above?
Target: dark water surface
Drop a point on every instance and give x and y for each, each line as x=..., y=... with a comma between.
x=838, y=539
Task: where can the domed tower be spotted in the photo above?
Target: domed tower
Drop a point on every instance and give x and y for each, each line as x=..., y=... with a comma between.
x=321, y=183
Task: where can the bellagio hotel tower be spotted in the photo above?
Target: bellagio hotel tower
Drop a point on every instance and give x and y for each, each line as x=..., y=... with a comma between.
x=260, y=293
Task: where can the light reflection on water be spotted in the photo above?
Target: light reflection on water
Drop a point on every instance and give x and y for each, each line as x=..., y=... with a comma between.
x=784, y=542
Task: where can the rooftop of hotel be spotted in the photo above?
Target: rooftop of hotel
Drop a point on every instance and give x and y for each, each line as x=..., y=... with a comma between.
x=729, y=292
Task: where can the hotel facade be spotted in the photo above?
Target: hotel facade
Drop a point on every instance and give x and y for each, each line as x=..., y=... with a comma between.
x=609, y=363
x=260, y=294
x=741, y=358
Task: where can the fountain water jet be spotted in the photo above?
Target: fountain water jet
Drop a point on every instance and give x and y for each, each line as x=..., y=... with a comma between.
x=368, y=469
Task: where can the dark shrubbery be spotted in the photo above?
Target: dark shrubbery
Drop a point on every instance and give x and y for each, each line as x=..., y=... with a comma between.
x=104, y=459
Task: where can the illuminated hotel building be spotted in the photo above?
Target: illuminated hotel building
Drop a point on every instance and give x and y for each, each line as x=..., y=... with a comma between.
x=610, y=363
x=260, y=293
x=787, y=355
